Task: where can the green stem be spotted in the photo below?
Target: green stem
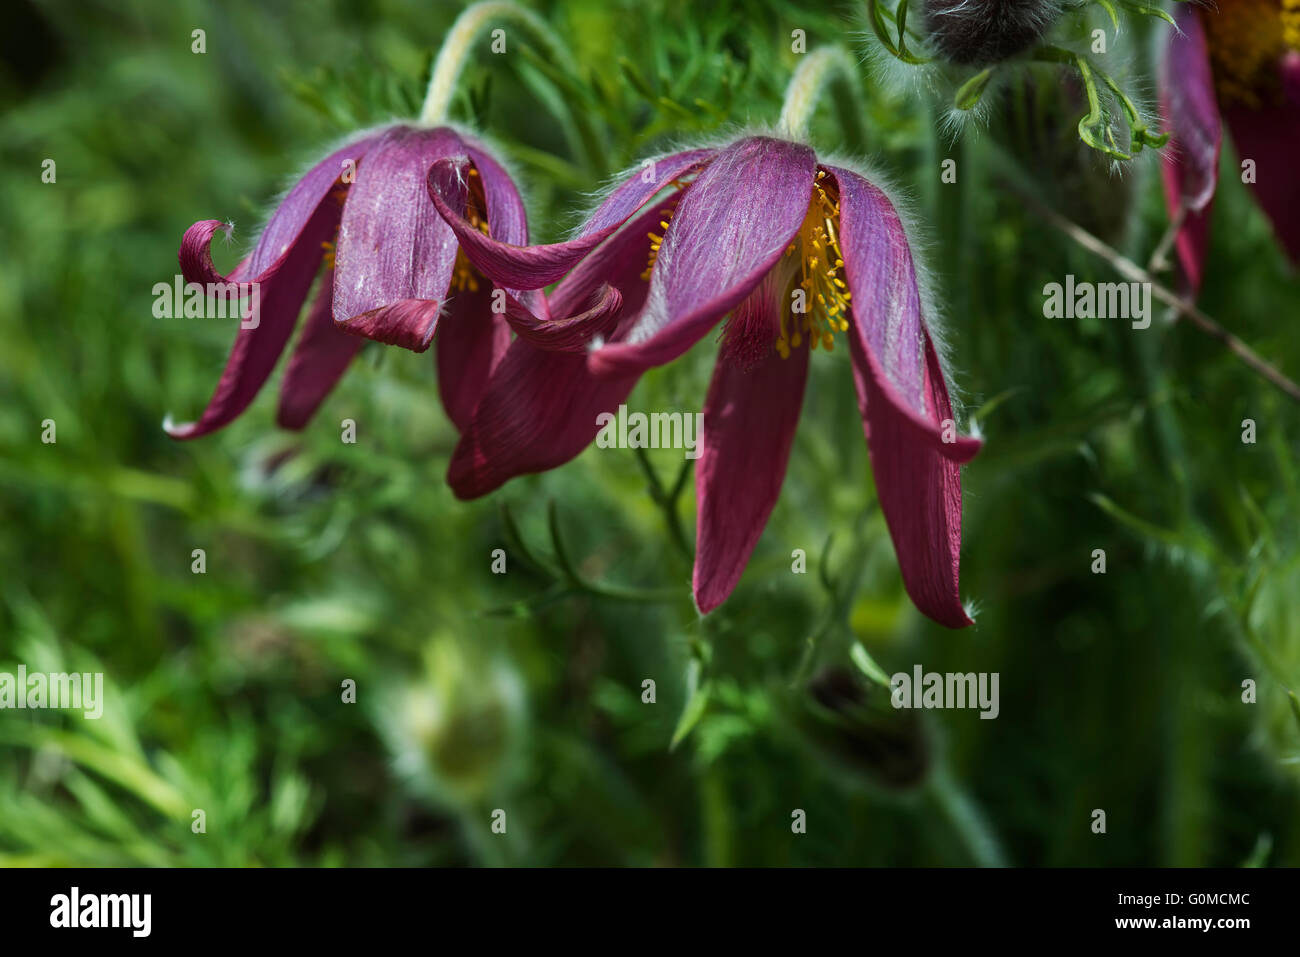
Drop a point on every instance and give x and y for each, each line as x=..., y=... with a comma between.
x=810, y=78
x=459, y=43
x=577, y=581
x=667, y=500
x=965, y=817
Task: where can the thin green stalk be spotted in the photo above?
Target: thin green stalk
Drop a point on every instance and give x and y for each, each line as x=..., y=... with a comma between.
x=667, y=500
x=460, y=43
x=813, y=74
x=965, y=817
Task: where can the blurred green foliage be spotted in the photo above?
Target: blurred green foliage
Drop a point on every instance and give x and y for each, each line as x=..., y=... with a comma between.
x=329, y=562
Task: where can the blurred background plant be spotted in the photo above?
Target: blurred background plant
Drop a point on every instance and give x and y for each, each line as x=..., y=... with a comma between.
x=328, y=562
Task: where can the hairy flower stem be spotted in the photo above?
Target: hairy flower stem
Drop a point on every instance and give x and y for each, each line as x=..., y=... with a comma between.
x=459, y=42
x=554, y=61
x=965, y=817
x=822, y=67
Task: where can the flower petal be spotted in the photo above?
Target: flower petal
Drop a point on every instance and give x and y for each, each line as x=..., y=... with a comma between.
x=732, y=225
x=1271, y=137
x=539, y=411
x=395, y=254
x=540, y=408
x=570, y=334
x=285, y=228
x=512, y=266
x=195, y=254
x=258, y=346
x=1190, y=163
x=750, y=417
x=471, y=343
x=319, y=360
x=506, y=216
x=915, y=453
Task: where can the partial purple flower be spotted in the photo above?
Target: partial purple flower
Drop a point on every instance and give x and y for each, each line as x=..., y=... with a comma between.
x=797, y=253
x=392, y=273
x=1239, y=62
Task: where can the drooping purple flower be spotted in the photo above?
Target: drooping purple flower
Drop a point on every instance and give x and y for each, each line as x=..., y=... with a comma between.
x=1239, y=63
x=742, y=231
x=393, y=274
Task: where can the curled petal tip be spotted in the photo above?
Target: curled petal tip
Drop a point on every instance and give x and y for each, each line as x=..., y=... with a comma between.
x=571, y=334
x=410, y=324
x=183, y=431
x=705, y=604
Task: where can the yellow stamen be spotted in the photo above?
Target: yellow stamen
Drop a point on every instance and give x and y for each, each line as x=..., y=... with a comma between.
x=464, y=276
x=657, y=239
x=1246, y=38
x=339, y=195
x=820, y=274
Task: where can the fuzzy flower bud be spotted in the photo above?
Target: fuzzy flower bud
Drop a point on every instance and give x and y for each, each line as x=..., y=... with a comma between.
x=983, y=32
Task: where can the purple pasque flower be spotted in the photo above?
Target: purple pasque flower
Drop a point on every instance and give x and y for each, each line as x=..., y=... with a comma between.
x=392, y=273
x=743, y=231
x=1239, y=63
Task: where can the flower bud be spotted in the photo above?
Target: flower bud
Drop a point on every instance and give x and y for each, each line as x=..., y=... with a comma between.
x=854, y=728
x=983, y=32
x=453, y=730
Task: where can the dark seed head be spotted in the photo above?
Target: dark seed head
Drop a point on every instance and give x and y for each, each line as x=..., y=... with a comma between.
x=982, y=32
x=855, y=728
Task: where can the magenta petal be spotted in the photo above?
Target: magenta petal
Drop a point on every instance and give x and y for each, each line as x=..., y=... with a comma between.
x=1290, y=67
x=730, y=228
x=395, y=254
x=539, y=411
x=285, y=228
x=195, y=255
x=1271, y=137
x=319, y=359
x=284, y=262
x=1190, y=163
x=904, y=401
x=572, y=333
x=509, y=265
x=257, y=348
x=619, y=261
x=651, y=177
x=540, y=408
x=506, y=216
x=750, y=417
x=471, y=343
x=512, y=266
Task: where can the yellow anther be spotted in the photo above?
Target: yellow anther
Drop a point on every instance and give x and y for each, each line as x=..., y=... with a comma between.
x=819, y=273
x=463, y=274
x=1246, y=38
x=656, y=239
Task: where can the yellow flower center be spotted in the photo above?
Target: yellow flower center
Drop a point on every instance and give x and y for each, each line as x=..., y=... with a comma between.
x=464, y=275
x=657, y=239
x=806, y=287
x=339, y=194
x=1246, y=38
x=819, y=296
